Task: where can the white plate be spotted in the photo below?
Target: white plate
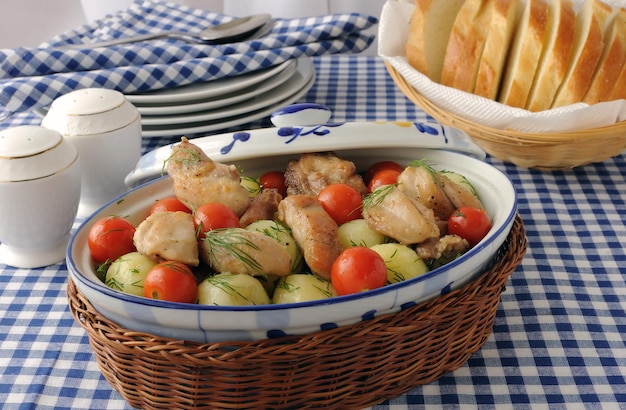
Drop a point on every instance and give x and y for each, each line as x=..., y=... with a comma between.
x=207, y=89
x=303, y=74
x=202, y=127
x=220, y=101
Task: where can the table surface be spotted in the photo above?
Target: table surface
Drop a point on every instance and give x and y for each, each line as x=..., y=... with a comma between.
x=558, y=339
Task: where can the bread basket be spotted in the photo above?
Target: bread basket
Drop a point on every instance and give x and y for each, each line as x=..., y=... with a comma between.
x=544, y=151
x=346, y=367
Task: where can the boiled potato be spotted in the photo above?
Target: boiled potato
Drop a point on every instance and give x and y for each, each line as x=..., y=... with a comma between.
x=251, y=185
x=232, y=289
x=401, y=261
x=128, y=272
x=302, y=287
x=357, y=233
x=281, y=233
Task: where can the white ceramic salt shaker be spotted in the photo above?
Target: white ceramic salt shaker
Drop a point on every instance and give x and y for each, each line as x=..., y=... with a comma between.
x=39, y=195
x=105, y=128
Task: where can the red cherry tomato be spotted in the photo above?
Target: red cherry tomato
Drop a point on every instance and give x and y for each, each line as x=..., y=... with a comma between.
x=358, y=269
x=214, y=216
x=341, y=201
x=384, y=177
x=109, y=238
x=469, y=223
x=379, y=166
x=169, y=204
x=171, y=281
x=275, y=180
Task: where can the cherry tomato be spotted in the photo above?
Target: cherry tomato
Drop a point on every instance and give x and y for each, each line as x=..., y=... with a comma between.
x=213, y=216
x=171, y=281
x=358, y=269
x=275, y=180
x=169, y=204
x=379, y=166
x=109, y=238
x=471, y=224
x=384, y=177
x=341, y=201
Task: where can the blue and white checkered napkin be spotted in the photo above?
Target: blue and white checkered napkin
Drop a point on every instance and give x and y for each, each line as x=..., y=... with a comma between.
x=33, y=77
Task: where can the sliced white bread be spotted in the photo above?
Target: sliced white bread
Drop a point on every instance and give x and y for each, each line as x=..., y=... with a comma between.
x=618, y=91
x=611, y=62
x=555, y=56
x=524, y=55
x=587, y=49
x=465, y=75
x=491, y=64
x=460, y=36
x=429, y=31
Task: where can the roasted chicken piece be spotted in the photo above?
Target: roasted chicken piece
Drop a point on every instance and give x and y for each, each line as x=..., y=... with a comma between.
x=458, y=195
x=313, y=229
x=443, y=249
x=420, y=183
x=168, y=236
x=390, y=211
x=313, y=172
x=262, y=206
x=198, y=180
x=237, y=250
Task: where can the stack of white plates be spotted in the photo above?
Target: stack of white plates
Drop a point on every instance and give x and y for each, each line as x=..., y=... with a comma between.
x=223, y=103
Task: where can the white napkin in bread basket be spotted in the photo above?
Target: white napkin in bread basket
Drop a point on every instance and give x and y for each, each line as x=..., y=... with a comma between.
x=392, y=36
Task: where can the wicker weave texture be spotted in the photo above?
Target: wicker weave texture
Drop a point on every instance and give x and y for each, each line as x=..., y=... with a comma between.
x=348, y=367
x=547, y=151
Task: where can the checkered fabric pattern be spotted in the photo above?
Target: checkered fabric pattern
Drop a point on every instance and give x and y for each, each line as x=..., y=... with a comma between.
x=558, y=340
x=33, y=77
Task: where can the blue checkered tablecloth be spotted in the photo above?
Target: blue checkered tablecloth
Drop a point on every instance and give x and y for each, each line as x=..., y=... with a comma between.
x=558, y=340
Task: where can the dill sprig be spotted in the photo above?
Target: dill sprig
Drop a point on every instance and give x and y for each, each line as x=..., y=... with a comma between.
x=378, y=196
x=232, y=241
x=193, y=157
x=222, y=282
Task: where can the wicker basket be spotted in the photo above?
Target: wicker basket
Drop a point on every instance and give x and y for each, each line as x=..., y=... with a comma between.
x=547, y=151
x=348, y=367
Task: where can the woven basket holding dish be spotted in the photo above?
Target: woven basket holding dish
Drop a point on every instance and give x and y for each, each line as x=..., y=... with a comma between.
x=350, y=366
x=546, y=151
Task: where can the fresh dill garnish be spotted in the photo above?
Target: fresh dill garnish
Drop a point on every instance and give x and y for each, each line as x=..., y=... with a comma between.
x=378, y=196
x=193, y=158
x=233, y=241
x=222, y=282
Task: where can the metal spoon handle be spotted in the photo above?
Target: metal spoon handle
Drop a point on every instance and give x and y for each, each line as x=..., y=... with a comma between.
x=135, y=39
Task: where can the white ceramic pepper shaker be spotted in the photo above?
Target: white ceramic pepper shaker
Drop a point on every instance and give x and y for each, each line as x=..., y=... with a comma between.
x=39, y=195
x=105, y=128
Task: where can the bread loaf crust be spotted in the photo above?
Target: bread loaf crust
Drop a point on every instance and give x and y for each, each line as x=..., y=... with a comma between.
x=611, y=62
x=588, y=46
x=555, y=56
x=458, y=50
x=491, y=65
x=429, y=32
x=465, y=75
x=525, y=53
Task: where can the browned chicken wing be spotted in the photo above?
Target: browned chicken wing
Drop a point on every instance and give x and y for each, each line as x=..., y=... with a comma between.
x=313, y=172
x=262, y=206
x=420, y=183
x=198, y=180
x=168, y=236
x=237, y=250
x=458, y=195
x=443, y=249
x=393, y=213
x=314, y=231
